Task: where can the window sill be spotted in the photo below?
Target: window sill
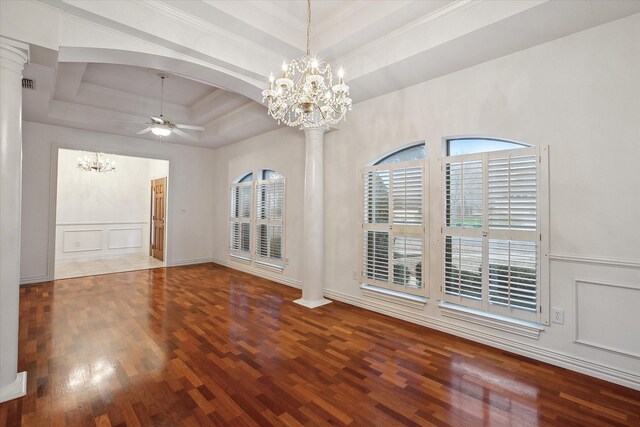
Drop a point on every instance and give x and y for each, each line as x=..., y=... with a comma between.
x=267, y=265
x=239, y=258
x=389, y=295
x=490, y=320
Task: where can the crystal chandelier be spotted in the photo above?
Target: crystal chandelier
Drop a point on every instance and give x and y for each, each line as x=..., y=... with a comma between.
x=95, y=162
x=305, y=95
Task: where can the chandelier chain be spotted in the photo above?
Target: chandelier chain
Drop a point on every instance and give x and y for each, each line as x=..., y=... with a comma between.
x=308, y=28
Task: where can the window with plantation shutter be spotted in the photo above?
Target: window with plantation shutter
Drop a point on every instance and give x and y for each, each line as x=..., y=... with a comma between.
x=257, y=218
x=240, y=219
x=393, y=250
x=269, y=219
x=492, y=235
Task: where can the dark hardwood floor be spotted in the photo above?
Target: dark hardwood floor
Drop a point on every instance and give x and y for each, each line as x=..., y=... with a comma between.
x=204, y=345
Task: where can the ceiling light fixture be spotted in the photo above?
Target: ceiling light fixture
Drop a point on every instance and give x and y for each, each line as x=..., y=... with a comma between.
x=305, y=95
x=95, y=162
x=160, y=130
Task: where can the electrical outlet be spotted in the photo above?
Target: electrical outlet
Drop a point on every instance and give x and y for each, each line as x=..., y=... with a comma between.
x=557, y=315
x=355, y=275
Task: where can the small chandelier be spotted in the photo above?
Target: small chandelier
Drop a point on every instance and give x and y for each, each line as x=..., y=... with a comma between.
x=95, y=162
x=305, y=95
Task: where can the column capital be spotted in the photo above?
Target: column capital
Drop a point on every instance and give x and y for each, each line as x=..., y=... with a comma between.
x=315, y=130
x=13, y=54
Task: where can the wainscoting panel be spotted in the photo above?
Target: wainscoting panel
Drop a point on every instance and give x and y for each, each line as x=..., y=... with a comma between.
x=82, y=240
x=123, y=238
x=610, y=326
x=101, y=240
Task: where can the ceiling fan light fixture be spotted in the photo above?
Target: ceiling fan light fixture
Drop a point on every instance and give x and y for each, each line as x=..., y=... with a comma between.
x=160, y=130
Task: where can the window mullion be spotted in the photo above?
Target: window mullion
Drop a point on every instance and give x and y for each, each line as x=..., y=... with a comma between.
x=485, y=231
x=390, y=238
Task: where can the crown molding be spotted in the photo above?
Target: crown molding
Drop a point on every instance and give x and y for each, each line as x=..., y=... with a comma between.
x=431, y=17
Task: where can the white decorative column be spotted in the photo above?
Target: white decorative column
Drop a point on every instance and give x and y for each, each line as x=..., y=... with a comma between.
x=13, y=56
x=313, y=245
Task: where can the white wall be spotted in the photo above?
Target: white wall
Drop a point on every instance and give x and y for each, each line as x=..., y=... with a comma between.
x=101, y=215
x=281, y=150
x=581, y=96
x=190, y=205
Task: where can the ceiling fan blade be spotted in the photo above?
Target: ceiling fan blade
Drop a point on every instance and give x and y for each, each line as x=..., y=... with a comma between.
x=157, y=119
x=144, y=131
x=181, y=133
x=130, y=122
x=179, y=126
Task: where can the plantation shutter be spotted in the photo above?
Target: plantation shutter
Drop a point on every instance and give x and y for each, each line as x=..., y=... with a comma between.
x=269, y=220
x=393, y=226
x=240, y=219
x=513, y=237
x=491, y=231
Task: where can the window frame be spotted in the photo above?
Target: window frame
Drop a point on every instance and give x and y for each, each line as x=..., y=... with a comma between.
x=237, y=219
x=485, y=233
x=253, y=258
x=394, y=231
x=270, y=222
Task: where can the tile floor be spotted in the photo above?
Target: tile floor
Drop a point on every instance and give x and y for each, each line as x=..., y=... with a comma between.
x=65, y=269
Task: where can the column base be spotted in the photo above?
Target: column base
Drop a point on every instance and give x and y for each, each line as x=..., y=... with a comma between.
x=312, y=304
x=16, y=389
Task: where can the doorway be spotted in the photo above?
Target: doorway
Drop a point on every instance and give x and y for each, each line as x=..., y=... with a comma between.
x=102, y=214
x=158, y=209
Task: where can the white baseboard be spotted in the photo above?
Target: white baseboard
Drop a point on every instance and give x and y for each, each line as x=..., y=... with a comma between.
x=607, y=373
x=181, y=262
x=266, y=273
x=34, y=279
x=16, y=389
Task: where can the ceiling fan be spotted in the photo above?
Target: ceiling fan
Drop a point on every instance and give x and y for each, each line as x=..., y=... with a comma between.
x=161, y=126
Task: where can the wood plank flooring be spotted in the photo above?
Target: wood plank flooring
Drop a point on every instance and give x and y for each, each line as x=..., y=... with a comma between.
x=207, y=345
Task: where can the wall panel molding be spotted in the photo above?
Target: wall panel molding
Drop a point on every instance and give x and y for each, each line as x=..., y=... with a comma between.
x=100, y=223
x=106, y=239
x=86, y=240
x=125, y=238
x=609, y=262
x=620, y=298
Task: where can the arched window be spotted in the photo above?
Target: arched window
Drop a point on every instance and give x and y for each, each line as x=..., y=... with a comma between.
x=257, y=218
x=470, y=145
x=245, y=178
x=393, y=253
x=492, y=234
x=407, y=154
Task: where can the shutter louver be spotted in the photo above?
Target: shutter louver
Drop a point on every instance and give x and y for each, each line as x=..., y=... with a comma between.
x=513, y=274
x=376, y=256
x=270, y=196
x=376, y=197
x=240, y=220
x=269, y=219
x=464, y=194
x=513, y=192
x=407, y=262
x=407, y=196
x=463, y=267
x=269, y=241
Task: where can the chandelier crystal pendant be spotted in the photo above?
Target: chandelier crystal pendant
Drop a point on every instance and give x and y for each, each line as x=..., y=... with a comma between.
x=96, y=162
x=305, y=94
